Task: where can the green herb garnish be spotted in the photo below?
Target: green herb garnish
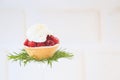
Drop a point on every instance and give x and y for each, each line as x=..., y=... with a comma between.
x=24, y=58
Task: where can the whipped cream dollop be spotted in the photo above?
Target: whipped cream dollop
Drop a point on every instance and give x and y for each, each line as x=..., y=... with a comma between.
x=38, y=33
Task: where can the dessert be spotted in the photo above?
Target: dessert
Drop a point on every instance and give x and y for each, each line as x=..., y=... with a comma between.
x=40, y=43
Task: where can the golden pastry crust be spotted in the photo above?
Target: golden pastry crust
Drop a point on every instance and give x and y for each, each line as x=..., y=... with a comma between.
x=41, y=52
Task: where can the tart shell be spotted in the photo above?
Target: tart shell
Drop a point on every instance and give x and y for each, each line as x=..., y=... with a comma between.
x=41, y=52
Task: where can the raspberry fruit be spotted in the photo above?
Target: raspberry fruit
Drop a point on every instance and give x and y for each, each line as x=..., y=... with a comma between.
x=26, y=42
x=49, y=43
x=40, y=44
x=32, y=44
x=55, y=39
x=48, y=37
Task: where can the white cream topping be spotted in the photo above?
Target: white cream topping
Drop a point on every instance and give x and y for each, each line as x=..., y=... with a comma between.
x=37, y=33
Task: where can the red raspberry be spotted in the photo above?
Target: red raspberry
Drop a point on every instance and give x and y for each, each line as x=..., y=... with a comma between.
x=48, y=37
x=55, y=39
x=40, y=44
x=32, y=44
x=49, y=43
x=26, y=42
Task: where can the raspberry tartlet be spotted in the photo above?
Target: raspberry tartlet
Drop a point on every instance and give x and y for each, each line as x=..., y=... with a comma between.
x=40, y=43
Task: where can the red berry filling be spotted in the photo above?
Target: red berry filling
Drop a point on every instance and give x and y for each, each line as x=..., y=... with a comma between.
x=26, y=42
x=32, y=44
x=50, y=41
x=40, y=44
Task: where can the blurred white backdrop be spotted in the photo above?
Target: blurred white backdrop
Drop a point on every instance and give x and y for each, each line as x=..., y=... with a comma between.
x=89, y=28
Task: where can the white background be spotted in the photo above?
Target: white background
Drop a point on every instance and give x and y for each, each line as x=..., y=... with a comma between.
x=88, y=28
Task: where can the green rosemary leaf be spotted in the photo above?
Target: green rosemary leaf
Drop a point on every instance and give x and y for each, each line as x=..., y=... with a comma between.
x=24, y=58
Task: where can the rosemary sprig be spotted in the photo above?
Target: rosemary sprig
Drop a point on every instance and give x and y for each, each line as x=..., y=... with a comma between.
x=24, y=58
